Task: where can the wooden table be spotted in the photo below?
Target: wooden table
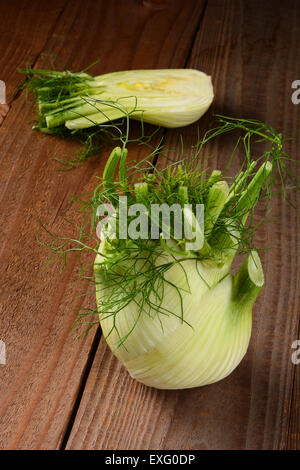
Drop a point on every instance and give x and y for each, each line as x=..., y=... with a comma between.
x=61, y=392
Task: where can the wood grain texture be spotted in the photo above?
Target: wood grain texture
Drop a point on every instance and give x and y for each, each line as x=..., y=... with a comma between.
x=251, y=49
x=45, y=364
x=25, y=27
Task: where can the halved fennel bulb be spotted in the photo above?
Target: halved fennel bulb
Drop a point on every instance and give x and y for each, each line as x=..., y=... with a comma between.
x=168, y=97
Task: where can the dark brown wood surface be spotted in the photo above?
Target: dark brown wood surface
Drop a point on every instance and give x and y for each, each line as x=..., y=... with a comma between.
x=59, y=392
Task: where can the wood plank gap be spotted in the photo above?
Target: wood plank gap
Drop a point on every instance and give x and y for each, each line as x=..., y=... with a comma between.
x=196, y=32
x=81, y=388
x=186, y=63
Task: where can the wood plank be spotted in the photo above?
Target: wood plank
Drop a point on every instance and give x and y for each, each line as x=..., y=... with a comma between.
x=45, y=364
x=24, y=31
x=251, y=50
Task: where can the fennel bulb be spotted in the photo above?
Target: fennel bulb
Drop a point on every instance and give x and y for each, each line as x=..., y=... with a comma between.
x=166, y=353
x=178, y=318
